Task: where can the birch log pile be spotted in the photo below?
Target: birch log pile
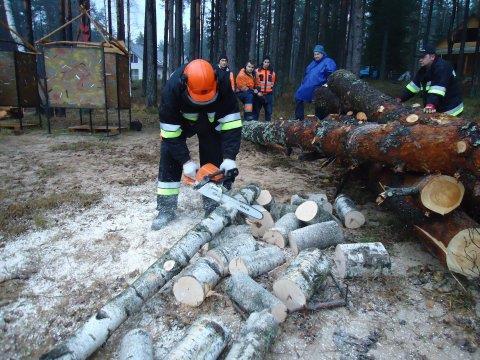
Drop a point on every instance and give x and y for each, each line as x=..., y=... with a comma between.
x=256, y=337
x=98, y=328
x=228, y=235
x=301, y=279
x=361, y=260
x=258, y=227
x=277, y=210
x=278, y=234
x=311, y=212
x=258, y=262
x=347, y=212
x=321, y=236
x=196, y=281
x=136, y=345
x=253, y=297
x=222, y=255
x=205, y=339
x=322, y=201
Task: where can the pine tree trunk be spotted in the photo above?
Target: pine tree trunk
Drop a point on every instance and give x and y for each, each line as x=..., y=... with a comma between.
x=254, y=14
x=151, y=27
x=193, y=30
x=356, y=36
x=285, y=42
x=146, y=34
x=276, y=31
x=342, y=33
x=165, y=41
x=178, y=33
x=303, y=276
x=256, y=337
x=212, y=30
x=231, y=35
x=451, y=26
x=109, y=14
x=461, y=53
x=171, y=38
x=120, y=21
x=28, y=11
x=222, y=18
x=300, y=63
x=383, y=61
x=98, y=328
x=267, y=30
x=429, y=22
x=205, y=339
x=253, y=297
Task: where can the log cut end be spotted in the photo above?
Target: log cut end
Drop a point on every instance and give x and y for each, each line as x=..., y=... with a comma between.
x=237, y=265
x=259, y=227
x=461, y=146
x=290, y=293
x=442, y=194
x=275, y=237
x=412, y=118
x=361, y=116
x=189, y=291
x=265, y=198
x=307, y=211
x=463, y=253
x=354, y=219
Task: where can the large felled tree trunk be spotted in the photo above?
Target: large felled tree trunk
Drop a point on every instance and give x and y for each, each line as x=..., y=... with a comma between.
x=96, y=331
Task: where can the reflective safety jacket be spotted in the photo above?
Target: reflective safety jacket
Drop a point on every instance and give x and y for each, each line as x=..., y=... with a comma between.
x=180, y=118
x=230, y=76
x=245, y=80
x=265, y=80
x=439, y=86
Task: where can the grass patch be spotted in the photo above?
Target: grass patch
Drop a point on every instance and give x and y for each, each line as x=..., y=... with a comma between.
x=16, y=218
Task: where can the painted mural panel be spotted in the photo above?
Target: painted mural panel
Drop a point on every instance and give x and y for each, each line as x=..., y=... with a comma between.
x=75, y=77
x=8, y=84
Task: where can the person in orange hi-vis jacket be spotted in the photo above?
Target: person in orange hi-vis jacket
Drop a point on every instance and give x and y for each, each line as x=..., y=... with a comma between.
x=246, y=89
x=264, y=82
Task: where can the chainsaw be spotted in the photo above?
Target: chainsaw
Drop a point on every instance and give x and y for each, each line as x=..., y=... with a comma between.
x=208, y=182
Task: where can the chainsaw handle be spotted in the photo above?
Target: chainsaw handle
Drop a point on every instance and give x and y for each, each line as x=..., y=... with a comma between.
x=231, y=174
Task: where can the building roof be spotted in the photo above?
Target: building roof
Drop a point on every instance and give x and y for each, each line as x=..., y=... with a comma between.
x=137, y=49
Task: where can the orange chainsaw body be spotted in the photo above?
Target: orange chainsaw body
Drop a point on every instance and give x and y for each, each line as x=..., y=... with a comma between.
x=208, y=170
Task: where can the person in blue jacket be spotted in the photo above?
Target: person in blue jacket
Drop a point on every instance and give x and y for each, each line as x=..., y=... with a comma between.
x=316, y=75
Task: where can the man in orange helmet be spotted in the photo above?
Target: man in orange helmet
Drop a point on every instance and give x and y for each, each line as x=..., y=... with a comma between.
x=197, y=99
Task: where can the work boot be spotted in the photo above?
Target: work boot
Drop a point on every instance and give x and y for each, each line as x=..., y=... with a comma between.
x=208, y=205
x=166, y=206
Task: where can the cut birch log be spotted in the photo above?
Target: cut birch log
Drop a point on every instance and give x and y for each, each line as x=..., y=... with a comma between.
x=222, y=255
x=301, y=279
x=348, y=213
x=258, y=227
x=362, y=260
x=322, y=201
x=297, y=200
x=265, y=199
x=136, y=345
x=228, y=235
x=321, y=236
x=205, y=339
x=312, y=212
x=196, y=281
x=278, y=235
x=98, y=328
x=251, y=296
x=278, y=210
x=455, y=240
x=258, y=262
x=256, y=337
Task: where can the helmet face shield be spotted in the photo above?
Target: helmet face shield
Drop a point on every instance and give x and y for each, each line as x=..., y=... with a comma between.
x=201, y=82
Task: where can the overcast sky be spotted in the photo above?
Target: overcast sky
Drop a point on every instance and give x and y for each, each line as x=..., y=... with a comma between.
x=137, y=16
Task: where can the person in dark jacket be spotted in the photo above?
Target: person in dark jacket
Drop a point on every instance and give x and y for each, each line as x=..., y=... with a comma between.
x=437, y=82
x=197, y=99
x=223, y=65
x=316, y=75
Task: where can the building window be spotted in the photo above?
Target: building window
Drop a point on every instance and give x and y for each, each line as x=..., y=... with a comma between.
x=135, y=74
x=133, y=58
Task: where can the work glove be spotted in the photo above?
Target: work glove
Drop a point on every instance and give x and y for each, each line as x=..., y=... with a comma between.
x=429, y=109
x=227, y=165
x=190, y=169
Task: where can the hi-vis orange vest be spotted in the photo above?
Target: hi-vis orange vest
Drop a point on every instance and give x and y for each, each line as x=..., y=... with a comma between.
x=244, y=80
x=265, y=80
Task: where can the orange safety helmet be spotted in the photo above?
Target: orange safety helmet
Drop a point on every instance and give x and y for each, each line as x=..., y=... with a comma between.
x=201, y=82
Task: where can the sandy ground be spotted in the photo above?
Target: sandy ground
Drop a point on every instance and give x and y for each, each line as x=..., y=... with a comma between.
x=76, y=230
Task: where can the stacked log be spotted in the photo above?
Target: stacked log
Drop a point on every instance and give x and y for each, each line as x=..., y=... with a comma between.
x=321, y=236
x=361, y=260
x=278, y=234
x=348, y=213
x=205, y=339
x=98, y=328
x=258, y=262
x=136, y=345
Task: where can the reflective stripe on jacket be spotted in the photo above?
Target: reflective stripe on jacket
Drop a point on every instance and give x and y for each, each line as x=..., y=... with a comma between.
x=265, y=80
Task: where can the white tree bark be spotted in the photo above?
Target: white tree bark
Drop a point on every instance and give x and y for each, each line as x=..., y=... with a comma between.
x=256, y=337
x=196, y=281
x=278, y=235
x=258, y=262
x=348, y=213
x=92, y=334
x=228, y=235
x=222, y=255
x=321, y=235
x=251, y=296
x=277, y=210
x=302, y=277
x=204, y=340
x=136, y=345
x=362, y=260
x=322, y=201
x=312, y=212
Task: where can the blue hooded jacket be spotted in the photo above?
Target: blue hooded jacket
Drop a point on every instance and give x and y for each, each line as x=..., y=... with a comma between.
x=316, y=75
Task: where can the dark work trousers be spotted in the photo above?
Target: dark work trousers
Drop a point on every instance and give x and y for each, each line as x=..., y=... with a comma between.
x=170, y=171
x=265, y=101
x=246, y=97
x=299, y=110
